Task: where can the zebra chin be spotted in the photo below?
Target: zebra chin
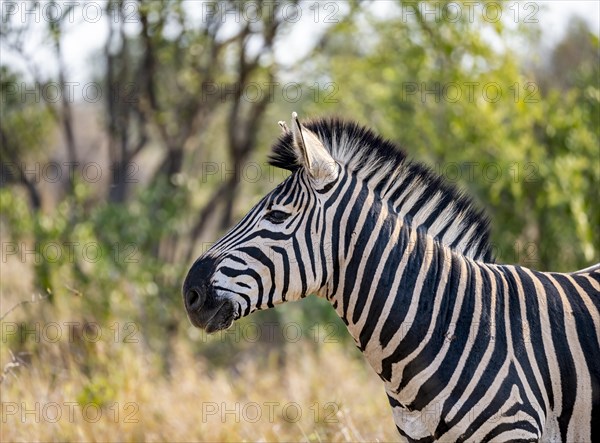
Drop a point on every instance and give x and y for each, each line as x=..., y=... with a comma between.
x=216, y=319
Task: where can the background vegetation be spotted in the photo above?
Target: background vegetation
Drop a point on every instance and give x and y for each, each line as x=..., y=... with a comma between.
x=106, y=202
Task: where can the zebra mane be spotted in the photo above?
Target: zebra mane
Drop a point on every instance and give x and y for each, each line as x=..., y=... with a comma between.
x=419, y=195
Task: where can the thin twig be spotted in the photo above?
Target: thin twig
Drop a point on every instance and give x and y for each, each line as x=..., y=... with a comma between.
x=74, y=291
x=24, y=302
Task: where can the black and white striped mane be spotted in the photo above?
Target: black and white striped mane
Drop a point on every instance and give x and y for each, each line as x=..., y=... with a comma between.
x=414, y=190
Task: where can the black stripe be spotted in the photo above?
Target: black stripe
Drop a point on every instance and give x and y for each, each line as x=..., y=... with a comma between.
x=372, y=263
x=533, y=317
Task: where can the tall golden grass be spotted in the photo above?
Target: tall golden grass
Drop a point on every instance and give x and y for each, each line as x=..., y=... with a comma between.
x=79, y=388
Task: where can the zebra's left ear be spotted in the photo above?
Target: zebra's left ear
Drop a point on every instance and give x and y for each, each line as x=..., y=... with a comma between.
x=313, y=156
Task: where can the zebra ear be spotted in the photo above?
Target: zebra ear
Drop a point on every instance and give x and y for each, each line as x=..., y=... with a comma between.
x=312, y=155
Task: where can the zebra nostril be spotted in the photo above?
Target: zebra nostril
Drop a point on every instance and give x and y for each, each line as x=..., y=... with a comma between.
x=196, y=288
x=194, y=298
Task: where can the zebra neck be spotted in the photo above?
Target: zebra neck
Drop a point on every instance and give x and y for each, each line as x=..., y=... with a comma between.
x=408, y=283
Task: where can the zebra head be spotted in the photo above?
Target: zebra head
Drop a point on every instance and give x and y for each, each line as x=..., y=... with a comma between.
x=270, y=256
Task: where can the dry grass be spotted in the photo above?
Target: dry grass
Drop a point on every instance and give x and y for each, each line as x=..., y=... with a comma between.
x=86, y=390
x=338, y=399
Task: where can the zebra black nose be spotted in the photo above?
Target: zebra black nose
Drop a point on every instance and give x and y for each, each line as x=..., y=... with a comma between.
x=194, y=298
x=197, y=282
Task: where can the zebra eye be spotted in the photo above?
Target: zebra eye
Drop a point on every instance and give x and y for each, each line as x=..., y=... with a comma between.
x=277, y=217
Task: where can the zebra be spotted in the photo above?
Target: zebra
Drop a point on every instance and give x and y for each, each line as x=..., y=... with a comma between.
x=468, y=349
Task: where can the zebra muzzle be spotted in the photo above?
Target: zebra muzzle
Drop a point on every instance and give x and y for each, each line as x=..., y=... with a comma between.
x=205, y=308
